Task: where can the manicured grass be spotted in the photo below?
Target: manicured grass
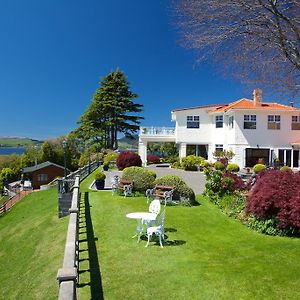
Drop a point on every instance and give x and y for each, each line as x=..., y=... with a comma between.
x=207, y=255
x=32, y=242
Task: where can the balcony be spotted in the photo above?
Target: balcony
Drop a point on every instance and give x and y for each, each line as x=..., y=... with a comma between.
x=157, y=131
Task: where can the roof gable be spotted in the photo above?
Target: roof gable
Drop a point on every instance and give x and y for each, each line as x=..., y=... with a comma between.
x=40, y=166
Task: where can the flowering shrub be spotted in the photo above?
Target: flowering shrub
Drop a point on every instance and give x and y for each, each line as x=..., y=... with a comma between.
x=237, y=182
x=276, y=195
x=153, y=159
x=128, y=159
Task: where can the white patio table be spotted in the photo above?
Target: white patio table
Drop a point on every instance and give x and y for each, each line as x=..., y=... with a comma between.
x=144, y=219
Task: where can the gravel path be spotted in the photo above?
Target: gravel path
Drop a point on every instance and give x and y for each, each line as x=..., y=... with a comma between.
x=195, y=180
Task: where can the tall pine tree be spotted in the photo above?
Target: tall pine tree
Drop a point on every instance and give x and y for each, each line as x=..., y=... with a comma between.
x=112, y=110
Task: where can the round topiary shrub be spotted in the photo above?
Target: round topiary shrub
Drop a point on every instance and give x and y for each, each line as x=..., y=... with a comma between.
x=259, y=168
x=143, y=178
x=233, y=168
x=286, y=169
x=182, y=189
x=219, y=166
x=128, y=159
x=153, y=159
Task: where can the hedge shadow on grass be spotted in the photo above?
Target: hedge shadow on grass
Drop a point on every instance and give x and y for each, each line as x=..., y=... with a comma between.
x=95, y=282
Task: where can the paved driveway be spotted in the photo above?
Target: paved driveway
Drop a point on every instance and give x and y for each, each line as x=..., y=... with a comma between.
x=195, y=180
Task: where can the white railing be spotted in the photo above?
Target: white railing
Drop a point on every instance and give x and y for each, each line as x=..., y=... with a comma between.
x=157, y=131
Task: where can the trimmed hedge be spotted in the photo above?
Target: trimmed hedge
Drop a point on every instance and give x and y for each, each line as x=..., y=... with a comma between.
x=286, y=168
x=128, y=159
x=182, y=189
x=143, y=178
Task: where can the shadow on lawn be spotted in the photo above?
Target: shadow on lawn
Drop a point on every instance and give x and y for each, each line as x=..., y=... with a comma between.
x=92, y=255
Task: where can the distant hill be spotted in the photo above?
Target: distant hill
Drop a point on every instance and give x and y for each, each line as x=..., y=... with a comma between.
x=17, y=142
x=128, y=144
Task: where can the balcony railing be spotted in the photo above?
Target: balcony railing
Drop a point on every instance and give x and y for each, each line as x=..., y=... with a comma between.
x=157, y=131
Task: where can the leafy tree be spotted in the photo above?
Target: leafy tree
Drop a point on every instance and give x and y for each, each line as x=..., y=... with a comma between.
x=48, y=152
x=258, y=41
x=112, y=110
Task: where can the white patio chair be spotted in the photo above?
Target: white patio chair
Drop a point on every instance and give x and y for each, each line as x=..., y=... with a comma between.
x=154, y=206
x=158, y=230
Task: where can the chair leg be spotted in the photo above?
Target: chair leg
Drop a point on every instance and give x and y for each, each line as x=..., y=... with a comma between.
x=160, y=238
x=149, y=235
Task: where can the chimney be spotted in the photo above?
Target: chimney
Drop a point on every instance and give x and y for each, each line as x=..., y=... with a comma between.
x=257, y=97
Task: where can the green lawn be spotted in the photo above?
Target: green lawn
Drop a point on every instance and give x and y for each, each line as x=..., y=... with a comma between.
x=32, y=242
x=207, y=255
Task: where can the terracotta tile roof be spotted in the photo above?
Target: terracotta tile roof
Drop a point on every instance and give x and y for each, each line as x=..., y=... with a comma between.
x=295, y=143
x=202, y=106
x=249, y=104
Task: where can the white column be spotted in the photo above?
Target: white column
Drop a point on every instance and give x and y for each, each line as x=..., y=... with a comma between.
x=182, y=150
x=143, y=151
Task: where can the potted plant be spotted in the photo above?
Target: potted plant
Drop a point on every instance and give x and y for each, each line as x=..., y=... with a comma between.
x=105, y=166
x=100, y=180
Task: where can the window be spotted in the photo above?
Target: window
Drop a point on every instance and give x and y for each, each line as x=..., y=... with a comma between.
x=273, y=122
x=42, y=177
x=219, y=147
x=249, y=121
x=295, y=122
x=219, y=121
x=192, y=122
x=231, y=122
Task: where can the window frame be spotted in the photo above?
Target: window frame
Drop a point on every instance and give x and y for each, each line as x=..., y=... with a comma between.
x=219, y=120
x=193, y=122
x=274, y=122
x=250, y=122
x=295, y=124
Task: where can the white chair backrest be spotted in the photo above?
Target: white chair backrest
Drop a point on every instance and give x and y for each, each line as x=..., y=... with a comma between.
x=154, y=206
x=161, y=220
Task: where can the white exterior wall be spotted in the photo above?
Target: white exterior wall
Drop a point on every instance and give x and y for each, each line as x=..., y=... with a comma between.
x=237, y=138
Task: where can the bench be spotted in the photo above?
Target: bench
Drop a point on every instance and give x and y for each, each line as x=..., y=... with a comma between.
x=123, y=185
x=164, y=192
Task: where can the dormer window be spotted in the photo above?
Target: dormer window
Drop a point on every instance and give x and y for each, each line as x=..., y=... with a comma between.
x=274, y=122
x=192, y=122
x=219, y=121
x=249, y=121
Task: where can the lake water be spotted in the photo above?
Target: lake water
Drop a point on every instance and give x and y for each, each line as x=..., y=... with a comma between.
x=12, y=150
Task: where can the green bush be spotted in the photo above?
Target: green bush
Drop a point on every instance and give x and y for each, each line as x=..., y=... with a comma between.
x=233, y=168
x=182, y=189
x=191, y=162
x=219, y=166
x=204, y=164
x=110, y=157
x=143, y=178
x=100, y=176
x=259, y=168
x=286, y=168
x=176, y=165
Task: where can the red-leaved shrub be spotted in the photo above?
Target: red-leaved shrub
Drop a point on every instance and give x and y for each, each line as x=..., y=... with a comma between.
x=238, y=183
x=276, y=194
x=128, y=159
x=153, y=159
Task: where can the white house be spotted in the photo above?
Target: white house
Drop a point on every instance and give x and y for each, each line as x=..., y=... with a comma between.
x=252, y=129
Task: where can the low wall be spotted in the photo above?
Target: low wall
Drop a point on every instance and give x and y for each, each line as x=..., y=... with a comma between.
x=67, y=275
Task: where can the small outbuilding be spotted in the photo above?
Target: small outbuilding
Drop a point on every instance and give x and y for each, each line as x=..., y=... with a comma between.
x=42, y=173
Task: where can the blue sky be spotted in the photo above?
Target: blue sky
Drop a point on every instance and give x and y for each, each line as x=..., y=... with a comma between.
x=53, y=53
